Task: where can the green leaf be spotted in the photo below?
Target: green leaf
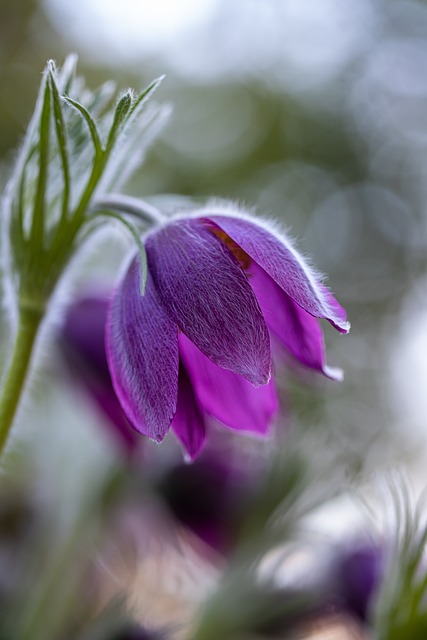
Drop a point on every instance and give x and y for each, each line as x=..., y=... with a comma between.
x=91, y=124
x=61, y=135
x=21, y=189
x=126, y=107
x=120, y=115
x=145, y=94
x=43, y=149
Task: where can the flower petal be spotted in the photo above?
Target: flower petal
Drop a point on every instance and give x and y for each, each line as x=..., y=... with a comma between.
x=359, y=574
x=188, y=423
x=83, y=334
x=142, y=351
x=296, y=330
x=108, y=403
x=208, y=496
x=227, y=396
x=83, y=345
x=275, y=254
x=206, y=293
x=339, y=312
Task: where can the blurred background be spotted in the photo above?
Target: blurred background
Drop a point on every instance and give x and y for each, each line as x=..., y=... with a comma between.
x=310, y=111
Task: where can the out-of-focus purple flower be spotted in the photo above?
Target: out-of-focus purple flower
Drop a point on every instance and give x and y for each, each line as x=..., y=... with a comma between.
x=83, y=345
x=208, y=497
x=136, y=632
x=358, y=576
x=197, y=344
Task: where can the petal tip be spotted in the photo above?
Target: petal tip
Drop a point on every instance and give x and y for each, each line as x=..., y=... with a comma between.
x=333, y=373
x=191, y=457
x=259, y=378
x=344, y=327
x=192, y=452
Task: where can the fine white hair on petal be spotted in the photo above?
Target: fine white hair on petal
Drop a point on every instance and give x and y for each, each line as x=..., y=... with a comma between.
x=334, y=373
x=314, y=277
x=206, y=293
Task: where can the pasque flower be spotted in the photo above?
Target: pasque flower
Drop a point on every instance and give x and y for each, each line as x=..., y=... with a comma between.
x=221, y=288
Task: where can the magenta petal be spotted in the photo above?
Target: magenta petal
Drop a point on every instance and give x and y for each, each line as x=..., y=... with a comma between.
x=284, y=264
x=142, y=351
x=298, y=331
x=188, y=423
x=227, y=396
x=206, y=293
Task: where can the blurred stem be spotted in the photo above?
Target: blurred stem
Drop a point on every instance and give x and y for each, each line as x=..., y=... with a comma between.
x=28, y=325
x=50, y=609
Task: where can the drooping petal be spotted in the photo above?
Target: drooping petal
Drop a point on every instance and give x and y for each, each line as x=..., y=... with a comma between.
x=142, y=351
x=204, y=290
x=284, y=264
x=83, y=334
x=339, y=311
x=83, y=345
x=298, y=331
x=227, y=396
x=188, y=422
x=108, y=403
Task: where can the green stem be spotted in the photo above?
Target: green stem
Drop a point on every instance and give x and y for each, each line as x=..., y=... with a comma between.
x=13, y=386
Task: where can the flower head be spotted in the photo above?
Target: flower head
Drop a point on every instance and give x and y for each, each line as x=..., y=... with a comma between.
x=197, y=344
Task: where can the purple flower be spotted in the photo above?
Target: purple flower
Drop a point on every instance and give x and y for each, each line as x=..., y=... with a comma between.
x=197, y=344
x=358, y=574
x=83, y=345
x=136, y=632
x=209, y=496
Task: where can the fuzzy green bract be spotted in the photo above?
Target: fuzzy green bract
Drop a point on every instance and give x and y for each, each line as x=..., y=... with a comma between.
x=76, y=148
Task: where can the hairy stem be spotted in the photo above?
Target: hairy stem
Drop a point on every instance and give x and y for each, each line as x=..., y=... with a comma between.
x=14, y=382
x=127, y=204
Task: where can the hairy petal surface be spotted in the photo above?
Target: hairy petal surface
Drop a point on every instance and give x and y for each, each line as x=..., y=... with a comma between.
x=227, y=396
x=284, y=264
x=298, y=331
x=188, y=423
x=204, y=290
x=142, y=351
